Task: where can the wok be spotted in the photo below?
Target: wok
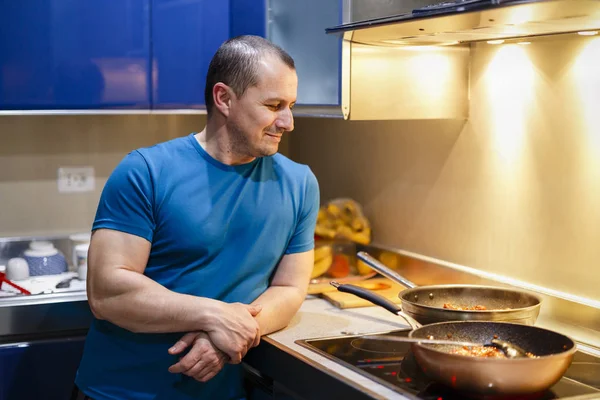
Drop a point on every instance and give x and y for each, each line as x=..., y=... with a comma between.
x=494, y=376
x=425, y=304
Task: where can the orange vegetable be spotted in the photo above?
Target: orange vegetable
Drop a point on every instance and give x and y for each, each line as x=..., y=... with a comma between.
x=340, y=267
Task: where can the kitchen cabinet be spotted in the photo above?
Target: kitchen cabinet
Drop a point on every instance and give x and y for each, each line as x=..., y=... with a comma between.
x=299, y=28
x=152, y=54
x=41, y=369
x=185, y=36
x=74, y=54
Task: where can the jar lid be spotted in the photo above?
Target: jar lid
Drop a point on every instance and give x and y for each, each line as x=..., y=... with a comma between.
x=82, y=247
x=41, y=245
x=81, y=237
x=40, y=248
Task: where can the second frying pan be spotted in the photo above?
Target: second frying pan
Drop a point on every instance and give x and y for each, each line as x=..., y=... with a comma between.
x=426, y=303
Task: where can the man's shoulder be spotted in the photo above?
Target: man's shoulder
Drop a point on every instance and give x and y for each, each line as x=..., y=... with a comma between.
x=165, y=148
x=289, y=167
x=295, y=174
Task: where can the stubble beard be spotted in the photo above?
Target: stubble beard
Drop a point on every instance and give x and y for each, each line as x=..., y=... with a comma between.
x=241, y=144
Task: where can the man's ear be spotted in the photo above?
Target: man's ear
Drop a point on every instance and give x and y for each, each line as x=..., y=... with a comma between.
x=222, y=96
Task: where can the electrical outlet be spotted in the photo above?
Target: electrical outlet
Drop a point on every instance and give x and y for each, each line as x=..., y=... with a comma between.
x=76, y=179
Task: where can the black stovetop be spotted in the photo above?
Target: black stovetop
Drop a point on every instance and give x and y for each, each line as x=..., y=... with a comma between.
x=393, y=365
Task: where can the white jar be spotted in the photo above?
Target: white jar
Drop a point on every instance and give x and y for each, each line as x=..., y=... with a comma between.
x=76, y=239
x=17, y=269
x=82, y=272
x=81, y=253
x=44, y=259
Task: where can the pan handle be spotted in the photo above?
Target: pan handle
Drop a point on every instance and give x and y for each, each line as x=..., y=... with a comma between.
x=377, y=300
x=383, y=270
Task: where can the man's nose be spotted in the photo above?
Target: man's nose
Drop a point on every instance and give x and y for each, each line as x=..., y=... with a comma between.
x=285, y=120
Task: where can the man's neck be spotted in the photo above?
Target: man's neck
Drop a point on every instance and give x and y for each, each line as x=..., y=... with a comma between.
x=217, y=142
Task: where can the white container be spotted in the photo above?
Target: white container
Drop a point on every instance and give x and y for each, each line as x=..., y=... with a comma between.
x=76, y=239
x=81, y=253
x=82, y=272
x=17, y=269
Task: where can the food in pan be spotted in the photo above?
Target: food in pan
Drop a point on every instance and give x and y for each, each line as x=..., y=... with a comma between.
x=484, y=352
x=479, y=351
x=451, y=306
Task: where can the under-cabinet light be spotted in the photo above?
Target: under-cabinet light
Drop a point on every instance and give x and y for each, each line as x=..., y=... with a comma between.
x=587, y=33
x=499, y=41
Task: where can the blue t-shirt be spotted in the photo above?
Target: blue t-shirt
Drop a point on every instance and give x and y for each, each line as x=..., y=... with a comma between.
x=217, y=231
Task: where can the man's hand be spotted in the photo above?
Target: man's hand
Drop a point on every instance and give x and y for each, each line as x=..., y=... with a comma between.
x=202, y=362
x=235, y=330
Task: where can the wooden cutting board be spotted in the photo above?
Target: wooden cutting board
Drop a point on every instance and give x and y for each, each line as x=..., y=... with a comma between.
x=381, y=286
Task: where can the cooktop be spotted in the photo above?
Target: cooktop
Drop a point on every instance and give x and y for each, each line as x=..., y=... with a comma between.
x=393, y=365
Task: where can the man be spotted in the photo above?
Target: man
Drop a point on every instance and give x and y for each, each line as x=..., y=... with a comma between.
x=202, y=243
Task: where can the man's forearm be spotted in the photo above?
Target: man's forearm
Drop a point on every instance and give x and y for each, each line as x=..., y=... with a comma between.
x=137, y=303
x=279, y=305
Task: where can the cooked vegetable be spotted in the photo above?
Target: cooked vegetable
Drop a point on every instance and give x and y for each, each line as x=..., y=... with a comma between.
x=451, y=306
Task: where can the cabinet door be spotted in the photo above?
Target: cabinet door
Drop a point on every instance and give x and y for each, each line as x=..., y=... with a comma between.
x=248, y=17
x=185, y=36
x=74, y=54
x=40, y=369
x=299, y=28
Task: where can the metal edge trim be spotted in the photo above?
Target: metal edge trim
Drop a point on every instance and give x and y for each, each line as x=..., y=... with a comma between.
x=588, y=349
x=346, y=77
x=299, y=111
x=27, y=343
x=323, y=111
x=43, y=299
x=495, y=277
x=102, y=112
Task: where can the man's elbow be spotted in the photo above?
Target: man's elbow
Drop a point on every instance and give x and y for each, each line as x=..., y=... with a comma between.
x=97, y=306
x=301, y=293
x=296, y=296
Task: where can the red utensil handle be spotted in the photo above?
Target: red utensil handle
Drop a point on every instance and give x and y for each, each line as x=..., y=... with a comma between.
x=19, y=288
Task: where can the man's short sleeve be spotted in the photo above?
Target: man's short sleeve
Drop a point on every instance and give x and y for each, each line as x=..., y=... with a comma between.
x=126, y=201
x=303, y=238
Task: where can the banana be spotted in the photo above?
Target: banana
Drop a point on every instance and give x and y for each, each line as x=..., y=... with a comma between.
x=321, y=266
x=322, y=252
x=363, y=268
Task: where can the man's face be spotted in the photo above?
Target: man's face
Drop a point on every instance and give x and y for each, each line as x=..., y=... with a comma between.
x=258, y=118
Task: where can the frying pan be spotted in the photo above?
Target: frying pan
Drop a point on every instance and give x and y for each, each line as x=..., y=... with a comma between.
x=426, y=303
x=494, y=376
x=487, y=376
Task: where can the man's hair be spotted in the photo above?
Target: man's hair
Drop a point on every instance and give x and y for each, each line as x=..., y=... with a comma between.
x=236, y=64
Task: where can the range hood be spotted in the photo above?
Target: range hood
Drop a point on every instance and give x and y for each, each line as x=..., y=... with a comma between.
x=464, y=21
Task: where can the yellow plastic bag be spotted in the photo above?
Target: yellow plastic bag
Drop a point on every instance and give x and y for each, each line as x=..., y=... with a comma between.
x=343, y=219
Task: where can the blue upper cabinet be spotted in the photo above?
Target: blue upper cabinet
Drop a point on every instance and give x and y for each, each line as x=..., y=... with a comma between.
x=142, y=54
x=185, y=36
x=248, y=17
x=299, y=28
x=74, y=54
